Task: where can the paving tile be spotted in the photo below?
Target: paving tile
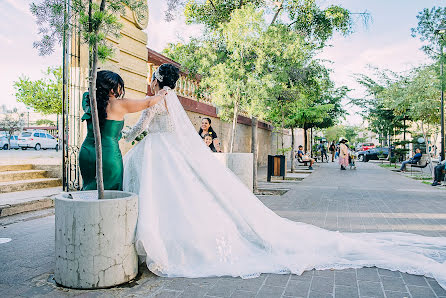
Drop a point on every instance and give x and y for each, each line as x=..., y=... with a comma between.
x=167, y=294
x=322, y=284
x=324, y=273
x=277, y=280
x=221, y=291
x=421, y=292
x=345, y=279
x=346, y=292
x=270, y=292
x=179, y=284
x=393, y=284
x=251, y=285
x=297, y=288
x=243, y=294
x=306, y=275
x=390, y=294
x=436, y=287
x=314, y=294
x=368, y=274
x=385, y=272
x=370, y=289
x=414, y=280
x=194, y=291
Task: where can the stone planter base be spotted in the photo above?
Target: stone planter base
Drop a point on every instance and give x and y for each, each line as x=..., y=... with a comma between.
x=240, y=164
x=95, y=239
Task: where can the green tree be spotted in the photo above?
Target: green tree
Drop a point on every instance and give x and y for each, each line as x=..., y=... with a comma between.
x=11, y=122
x=303, y=16
x=96, y=22
x=44, y=95
x=333, y=133
x=45, y=122
x=429, y=20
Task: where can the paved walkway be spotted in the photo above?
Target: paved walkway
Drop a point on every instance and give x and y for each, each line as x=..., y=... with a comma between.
x=367, y=199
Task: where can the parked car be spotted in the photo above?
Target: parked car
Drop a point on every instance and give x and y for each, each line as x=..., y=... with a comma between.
x=373, y=154
x=11, y=145
x=37, y=139
x=364, y=146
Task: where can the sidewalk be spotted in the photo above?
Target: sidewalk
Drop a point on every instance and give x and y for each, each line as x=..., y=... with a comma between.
x=368, y=199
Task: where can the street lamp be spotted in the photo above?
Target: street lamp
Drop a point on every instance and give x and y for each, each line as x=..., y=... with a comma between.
x=441, y=31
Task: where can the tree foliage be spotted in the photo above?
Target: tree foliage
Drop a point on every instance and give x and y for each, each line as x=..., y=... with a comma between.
x=43, y=95
x=12, y=121
x=429, y=20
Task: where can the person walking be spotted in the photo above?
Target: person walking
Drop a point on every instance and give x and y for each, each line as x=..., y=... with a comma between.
x=332, y=149
x=321, y=147
x=343, y=153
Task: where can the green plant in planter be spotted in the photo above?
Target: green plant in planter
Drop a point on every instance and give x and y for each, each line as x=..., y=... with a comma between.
x=283, y=151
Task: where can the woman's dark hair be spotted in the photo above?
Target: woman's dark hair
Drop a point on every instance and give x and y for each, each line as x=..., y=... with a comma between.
x=170, y=74
x=106, y=81
x=210, y=130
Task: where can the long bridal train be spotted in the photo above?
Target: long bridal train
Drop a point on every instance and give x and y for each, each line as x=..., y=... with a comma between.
x=196, y=219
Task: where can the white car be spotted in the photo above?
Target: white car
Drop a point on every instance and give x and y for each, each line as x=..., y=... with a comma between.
x=11, y=145
x=37, y=139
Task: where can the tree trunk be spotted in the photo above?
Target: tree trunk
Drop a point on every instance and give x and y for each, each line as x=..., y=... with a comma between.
x=292, y=150
x=311, y=142
x=254, y=122
x=234, y=127
x=305, y=140
x=94, y=108
x=427, y=150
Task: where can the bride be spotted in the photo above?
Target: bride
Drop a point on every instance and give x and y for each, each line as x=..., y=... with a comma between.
x=197, y=219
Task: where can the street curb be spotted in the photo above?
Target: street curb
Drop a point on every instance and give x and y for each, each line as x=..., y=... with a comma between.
x=33, y=205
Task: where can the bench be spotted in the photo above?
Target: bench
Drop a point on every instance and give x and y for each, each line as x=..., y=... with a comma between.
x=421, y=164
x=304, y=162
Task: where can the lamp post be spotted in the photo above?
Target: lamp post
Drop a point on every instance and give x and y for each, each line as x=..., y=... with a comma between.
x=441, y=31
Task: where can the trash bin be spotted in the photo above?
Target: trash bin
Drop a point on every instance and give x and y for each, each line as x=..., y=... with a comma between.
x=276, y=166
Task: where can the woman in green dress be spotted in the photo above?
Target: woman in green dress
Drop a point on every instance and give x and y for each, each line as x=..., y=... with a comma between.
x=111, y=110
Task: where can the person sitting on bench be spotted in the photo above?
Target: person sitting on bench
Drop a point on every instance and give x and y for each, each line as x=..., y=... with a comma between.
x=303, y=157
x=414, y=160
x=439, y=173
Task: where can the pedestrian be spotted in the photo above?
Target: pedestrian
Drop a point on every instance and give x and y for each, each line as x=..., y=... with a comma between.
x=414, y=160
x=323, y=150
x=343, y=153
x=332, y=149
x=439, y=173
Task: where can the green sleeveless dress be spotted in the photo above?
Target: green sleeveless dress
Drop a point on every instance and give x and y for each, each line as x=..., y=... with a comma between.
x=111, y=154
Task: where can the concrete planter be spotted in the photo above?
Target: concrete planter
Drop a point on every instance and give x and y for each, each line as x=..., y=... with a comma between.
x=95, y=239
x=240, y=164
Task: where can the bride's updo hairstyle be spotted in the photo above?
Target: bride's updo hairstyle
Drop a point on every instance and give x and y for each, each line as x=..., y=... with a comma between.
x=106, y=81
x=168, y=75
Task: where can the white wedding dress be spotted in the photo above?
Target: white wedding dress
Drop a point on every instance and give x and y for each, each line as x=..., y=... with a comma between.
x=197, y=219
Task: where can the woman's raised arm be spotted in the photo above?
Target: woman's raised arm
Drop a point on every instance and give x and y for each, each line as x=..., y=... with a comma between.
x=136, y=105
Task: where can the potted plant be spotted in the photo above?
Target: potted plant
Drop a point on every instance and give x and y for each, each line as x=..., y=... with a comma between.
x=94, y=229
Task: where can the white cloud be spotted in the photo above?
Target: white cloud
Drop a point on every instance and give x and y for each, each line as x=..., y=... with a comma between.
x=6, y=40
x=20, y=6
x=160, y=32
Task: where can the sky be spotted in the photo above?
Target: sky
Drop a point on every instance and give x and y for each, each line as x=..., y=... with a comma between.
x=385, y=43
